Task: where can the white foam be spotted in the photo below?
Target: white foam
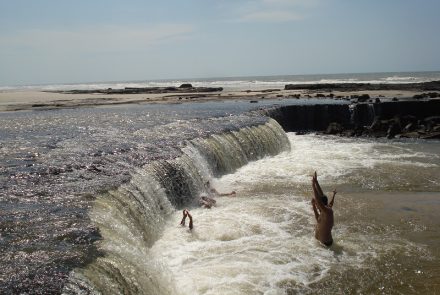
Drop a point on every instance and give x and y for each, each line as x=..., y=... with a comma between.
x=333, y=157
x=262, y=241
x=244, y=83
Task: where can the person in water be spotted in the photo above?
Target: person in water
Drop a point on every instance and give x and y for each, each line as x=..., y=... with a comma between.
x=187, y=214
x=323, y=213
x=207, y=202
x=213, y=191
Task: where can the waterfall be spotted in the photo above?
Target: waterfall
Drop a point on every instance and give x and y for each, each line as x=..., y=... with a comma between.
x=131, y=218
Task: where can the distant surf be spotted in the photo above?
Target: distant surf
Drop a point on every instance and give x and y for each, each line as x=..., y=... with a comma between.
x=244, y=83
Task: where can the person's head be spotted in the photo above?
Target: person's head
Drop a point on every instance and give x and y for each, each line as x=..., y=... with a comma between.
x=324, y=200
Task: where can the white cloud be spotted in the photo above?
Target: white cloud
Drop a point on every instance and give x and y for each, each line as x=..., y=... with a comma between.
x=96, y=39
x=271, y=16
x=274, y=10
x=291, y=2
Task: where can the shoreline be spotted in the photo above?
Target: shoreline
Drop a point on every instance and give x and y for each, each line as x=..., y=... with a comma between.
x=27, y=100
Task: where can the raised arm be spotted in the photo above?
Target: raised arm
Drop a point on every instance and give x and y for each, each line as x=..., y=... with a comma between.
x=333, y=198
x=318, y=187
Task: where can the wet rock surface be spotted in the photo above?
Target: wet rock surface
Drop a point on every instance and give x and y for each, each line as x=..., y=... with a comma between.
x=184, y=88
x=395, y=119
x=426, y=86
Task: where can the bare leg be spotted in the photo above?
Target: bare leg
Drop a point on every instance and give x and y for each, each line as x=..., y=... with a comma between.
x=190, y=221
x=185, y=213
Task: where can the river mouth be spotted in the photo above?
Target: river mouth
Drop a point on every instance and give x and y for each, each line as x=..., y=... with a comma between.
x=262, y=242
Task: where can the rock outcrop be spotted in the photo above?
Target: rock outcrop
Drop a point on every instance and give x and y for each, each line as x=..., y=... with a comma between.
x=426, y=86
x=184, y=88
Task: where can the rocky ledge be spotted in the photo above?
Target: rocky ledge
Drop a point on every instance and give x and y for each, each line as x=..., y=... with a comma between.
x=405, y=119
x=426, y=86
x=184, y=88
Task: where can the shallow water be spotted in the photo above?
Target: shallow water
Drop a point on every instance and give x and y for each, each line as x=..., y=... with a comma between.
x=386, y=233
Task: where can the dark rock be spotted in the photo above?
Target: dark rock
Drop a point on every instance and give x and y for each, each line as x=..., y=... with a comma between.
x=419, y=96
x=319, y=95
x=254, y=101
x=410, y=135
x=143, y=90
x=393, y=129
x=334, y=128
x=363, y=98
x=410, y=127
x=433, y=119
x=395, y=99
x=377, y=124
x=377, y=100
x=406, y=119
x=425, y=86
x=186, y=85
x=432, y=135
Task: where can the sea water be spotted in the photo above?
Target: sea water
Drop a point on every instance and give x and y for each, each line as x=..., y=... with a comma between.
x=245, y=83
x=386, y=233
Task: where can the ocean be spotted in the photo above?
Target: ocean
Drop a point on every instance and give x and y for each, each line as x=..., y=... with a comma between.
x=91, y=200
x=244, y=83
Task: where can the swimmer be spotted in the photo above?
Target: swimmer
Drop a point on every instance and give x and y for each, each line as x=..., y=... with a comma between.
x=206, y=202
x=323, y=213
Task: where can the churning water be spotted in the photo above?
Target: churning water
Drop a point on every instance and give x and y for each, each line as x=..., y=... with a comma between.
x=262, y=241
x=91, y=200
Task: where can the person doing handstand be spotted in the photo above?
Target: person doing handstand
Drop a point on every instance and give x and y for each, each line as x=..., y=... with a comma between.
x=323, y=213
x=186, y=214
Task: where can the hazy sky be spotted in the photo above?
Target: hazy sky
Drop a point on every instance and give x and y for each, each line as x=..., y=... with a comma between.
x=108, y=40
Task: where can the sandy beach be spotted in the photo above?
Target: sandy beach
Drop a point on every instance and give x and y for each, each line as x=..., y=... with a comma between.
x=41, y=100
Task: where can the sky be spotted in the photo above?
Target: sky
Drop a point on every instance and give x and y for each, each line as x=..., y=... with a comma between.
x=63, y=41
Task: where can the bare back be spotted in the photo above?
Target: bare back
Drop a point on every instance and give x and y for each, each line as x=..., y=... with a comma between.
x=323, y=213
x=324, y=225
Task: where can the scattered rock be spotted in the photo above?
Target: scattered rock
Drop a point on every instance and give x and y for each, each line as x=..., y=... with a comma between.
x=393, y=129
x=363, y=98
x=334, y=128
